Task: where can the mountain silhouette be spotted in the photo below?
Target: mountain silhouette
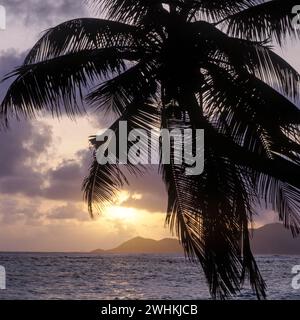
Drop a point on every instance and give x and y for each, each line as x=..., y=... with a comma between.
x=274, y=239
x=269, y=239
x=142, y=245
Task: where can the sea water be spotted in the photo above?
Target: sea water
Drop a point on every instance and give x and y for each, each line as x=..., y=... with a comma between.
x=88, y=276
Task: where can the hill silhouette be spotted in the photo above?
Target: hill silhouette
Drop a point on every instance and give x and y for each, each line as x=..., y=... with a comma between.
x=274, y=239
x=269, y=239
x=142, y=245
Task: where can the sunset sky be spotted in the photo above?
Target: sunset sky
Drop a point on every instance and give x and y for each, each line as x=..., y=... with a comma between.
x=43, y=162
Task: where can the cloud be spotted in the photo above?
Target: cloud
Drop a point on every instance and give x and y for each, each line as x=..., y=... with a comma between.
x=25, y=143
x=147, y=191
x=14, y=211
x=64, y=182
x=42, y=13
x=24, y=168
x=28, y=19
x=9, y=60
x=26, y=165
x=123, y=230
x=68, y=212
x=22, y=147
x=24, y=211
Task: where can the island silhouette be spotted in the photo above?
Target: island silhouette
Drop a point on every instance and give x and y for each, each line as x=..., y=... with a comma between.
x=269, y=239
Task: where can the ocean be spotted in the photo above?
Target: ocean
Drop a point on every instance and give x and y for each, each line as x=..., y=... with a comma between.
x=85, y=276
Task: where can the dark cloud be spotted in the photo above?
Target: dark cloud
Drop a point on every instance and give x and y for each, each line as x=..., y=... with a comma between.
x=152, y=191
x=21, y=146
x=26, y=141
x=21, y=172
x=13, y=211
x=146, y=191
x=23, y=143
x=65, y=181
x=68, y=212
x=9, y=60
x=44, y=13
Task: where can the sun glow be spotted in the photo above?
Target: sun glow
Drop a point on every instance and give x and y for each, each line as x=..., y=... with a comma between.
x=122, y=213
x=122, y=197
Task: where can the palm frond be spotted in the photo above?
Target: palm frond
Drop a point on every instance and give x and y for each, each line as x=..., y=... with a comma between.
x=282, y=198
x=102, y=185
x=213, y=11
x=57, y=85
x=81, y=34
x=115, y=94
x=278, y=167
x=269, y=19
x=209, y=214
x=131, y=11
x=266, y=144
x=256, y=58
x=104, y=181
x=247, y=102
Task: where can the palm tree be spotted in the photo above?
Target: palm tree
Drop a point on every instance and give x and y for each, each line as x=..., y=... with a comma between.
x=170, y=64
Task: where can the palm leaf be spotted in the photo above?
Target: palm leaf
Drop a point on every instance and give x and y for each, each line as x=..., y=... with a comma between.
x=264, y=20
x=57, y=85
x=104, y=181
x=131, y=11
x=81, y=34
x=209, y=214
x=117, y=93
x=256, y=58
x=214, y=11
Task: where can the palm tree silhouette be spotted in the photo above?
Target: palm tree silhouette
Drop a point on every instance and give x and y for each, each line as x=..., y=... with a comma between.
x=200, y=64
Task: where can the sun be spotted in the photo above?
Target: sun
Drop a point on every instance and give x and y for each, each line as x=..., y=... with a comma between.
x=117, y=211
x=121, y=213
